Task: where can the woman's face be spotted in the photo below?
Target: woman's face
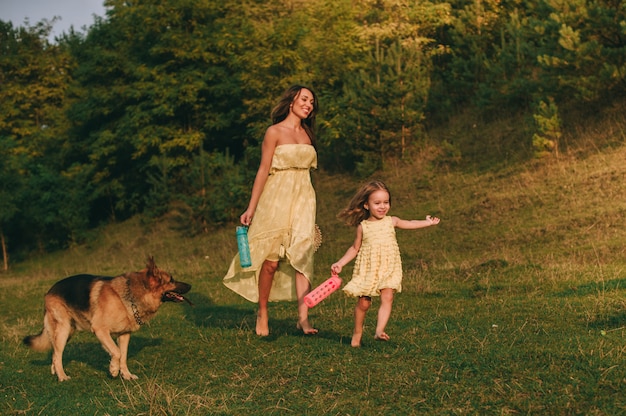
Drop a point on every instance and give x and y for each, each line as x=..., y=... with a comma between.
x=378, y=204
x=303, y=104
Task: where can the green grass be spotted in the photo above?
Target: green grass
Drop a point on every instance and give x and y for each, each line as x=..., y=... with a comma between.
x=513, y=305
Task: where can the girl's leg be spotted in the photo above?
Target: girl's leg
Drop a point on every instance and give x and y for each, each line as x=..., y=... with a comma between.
x=266, y=276
x=362, y=306
x=303, y=286
x=386, y=301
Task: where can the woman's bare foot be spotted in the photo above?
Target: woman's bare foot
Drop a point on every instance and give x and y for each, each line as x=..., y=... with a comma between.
x=306, y=327
x=382, y=337
x=262, y=324
x=356, y=339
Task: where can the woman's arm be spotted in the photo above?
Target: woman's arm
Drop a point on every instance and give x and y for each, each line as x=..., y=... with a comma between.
x=267, y=153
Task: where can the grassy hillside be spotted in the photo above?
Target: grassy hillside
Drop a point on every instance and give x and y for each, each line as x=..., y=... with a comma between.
x=512, y=305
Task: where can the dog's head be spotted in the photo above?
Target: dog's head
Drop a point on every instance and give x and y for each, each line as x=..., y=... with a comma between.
x=162, y=283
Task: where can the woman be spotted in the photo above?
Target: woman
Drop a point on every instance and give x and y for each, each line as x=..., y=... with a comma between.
x=281, y=213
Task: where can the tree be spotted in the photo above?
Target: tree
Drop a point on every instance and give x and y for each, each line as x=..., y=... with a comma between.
x=9, y=198
x=548, y=132
x=385, y=100
x=155, y=89
x=492, y=62
x=34, y=77
x=269, y=54
x=590, y=59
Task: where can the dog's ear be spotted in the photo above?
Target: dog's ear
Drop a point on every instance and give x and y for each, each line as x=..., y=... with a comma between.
x=152, y=267
x=154, y=275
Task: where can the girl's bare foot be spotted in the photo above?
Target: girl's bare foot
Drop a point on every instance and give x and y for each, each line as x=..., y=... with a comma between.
x=382, y=337
x=306, y=327
x=262, y=324
x=356, y=339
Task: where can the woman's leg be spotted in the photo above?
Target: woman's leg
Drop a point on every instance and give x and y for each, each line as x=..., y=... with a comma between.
x=303, y=286
x=266, y=276
x=362, y=306
x=384, y=312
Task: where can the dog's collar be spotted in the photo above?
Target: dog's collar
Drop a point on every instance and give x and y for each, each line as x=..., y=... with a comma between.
x=129, y=297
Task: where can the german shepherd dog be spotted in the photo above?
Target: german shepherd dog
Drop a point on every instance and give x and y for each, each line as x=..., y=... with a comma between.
x=106, y=306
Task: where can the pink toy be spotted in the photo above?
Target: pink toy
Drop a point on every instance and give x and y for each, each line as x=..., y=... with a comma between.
x=322, y=291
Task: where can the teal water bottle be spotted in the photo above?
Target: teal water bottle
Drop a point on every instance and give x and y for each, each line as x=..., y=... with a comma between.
x=244, y=248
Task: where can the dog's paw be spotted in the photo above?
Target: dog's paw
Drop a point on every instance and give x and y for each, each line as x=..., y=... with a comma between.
x=127, y=375
x=114, y=370
x=60, y=374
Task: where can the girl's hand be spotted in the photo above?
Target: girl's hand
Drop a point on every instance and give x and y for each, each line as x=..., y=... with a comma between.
x=432, y=220
x=336, y=268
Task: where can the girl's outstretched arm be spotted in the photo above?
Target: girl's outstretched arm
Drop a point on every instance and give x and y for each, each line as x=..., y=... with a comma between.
x=351, y=253
x=414, y=224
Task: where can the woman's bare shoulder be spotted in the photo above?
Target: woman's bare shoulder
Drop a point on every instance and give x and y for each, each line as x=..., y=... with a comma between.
x=272, y=134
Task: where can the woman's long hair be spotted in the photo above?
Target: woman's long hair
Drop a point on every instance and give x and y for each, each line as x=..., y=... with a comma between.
x=281, y=110
x=355, y=212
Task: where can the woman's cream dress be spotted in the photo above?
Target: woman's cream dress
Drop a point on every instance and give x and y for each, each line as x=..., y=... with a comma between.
x=283, y=226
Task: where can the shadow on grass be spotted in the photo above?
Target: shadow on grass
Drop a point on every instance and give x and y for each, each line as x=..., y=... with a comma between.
x=206, y=314
x=594, y=288
x=93, y=354
x=617, y=321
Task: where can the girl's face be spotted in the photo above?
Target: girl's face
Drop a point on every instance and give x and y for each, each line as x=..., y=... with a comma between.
x=378, y=204
x=302, y=105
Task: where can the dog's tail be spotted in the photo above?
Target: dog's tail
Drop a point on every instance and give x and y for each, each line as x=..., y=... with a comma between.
x=40, y=342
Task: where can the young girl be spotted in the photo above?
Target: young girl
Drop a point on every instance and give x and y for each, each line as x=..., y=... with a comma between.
x=378, y=267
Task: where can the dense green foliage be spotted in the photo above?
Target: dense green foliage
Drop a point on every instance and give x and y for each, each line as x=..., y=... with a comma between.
x=159, y=107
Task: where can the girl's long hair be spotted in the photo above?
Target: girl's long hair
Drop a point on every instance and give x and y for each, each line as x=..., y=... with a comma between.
x=355, y=212
x=281, y=110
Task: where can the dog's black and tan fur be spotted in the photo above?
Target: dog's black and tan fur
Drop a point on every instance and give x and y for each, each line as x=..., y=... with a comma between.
x=106, y=306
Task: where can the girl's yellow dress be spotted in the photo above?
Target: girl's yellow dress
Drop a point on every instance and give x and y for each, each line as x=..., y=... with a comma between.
x=378, y=264
x=283, y=226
